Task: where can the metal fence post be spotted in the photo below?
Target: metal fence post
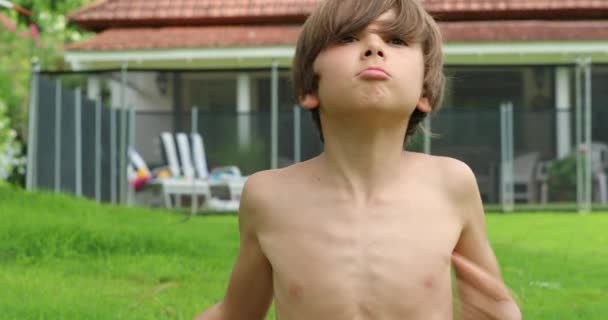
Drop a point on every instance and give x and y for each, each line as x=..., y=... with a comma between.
x=78, y=137
x=297, y=134
x=194, y=129
x=57, y=177
x=194, y=120
x=578, y=131
x=131, y=144
x=588, y=137
x=510, y=135
x=113, y=155
x=427, y=134
x=583, y=134
x=32, y=150
x=122, y=174
x=506, y=138
x=274, y=116
x=98, y=150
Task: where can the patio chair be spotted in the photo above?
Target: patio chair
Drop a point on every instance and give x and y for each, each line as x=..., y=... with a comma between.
x=229, y=175
x=190, y=176
x=599, y=165
x=170, y=154
x=524, y=176
x=182, y=181
x=542, y=178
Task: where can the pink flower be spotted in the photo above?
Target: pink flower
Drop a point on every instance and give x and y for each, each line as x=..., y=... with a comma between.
x=34, y=30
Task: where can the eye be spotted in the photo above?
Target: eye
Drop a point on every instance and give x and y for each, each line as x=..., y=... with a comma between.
x=398, y=42
x=348, y=39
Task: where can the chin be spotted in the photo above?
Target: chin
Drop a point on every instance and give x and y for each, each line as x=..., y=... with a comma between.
x=383, y=104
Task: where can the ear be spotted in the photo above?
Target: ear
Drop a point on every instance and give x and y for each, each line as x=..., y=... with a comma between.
x=309, y=101
x=424, y=105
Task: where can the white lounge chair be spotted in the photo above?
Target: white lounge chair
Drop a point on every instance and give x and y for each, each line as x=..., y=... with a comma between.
x=204, y=182
x=170, y=153
x=182, y=181
x=229, y=175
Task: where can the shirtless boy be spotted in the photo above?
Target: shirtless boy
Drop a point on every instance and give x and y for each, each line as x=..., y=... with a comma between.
x=365, y=230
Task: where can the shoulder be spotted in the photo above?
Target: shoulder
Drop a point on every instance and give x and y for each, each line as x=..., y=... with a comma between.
x=458, y=176
x=459, y=182
x=266, y=191
x=255, y=200
x=265, y=184
x=460, y=187
x=451, y=173
x=453, y=178
x=258, y=189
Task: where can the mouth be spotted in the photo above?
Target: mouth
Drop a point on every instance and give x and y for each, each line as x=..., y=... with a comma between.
x=374, y=73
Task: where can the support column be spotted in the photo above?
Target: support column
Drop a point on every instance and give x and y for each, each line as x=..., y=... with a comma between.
x=563, y=111
x=93, y=88
x=243, y=108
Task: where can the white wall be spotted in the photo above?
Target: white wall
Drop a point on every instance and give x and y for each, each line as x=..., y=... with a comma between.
x=142, y=92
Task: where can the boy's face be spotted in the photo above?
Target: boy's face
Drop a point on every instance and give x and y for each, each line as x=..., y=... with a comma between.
x=370, y=71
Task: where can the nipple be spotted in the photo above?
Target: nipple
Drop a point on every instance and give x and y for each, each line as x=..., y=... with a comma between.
x=295, y=291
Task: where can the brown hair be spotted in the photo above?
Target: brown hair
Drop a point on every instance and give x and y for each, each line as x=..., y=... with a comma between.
x=333, y=19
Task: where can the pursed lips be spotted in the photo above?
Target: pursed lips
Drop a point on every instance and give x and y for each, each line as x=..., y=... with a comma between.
x=374, y=73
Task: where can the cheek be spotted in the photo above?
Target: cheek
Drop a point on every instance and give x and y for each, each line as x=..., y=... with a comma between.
x=334, y=64
x=332, y=78
x=414, y=77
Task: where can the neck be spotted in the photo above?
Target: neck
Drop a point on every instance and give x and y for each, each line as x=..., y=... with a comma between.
x=363, y=156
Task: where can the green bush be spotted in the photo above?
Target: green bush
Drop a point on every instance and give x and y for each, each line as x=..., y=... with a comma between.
x=250, y=159
x=562, y=179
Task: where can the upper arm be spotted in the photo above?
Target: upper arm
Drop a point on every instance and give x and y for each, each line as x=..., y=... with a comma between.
x=473, y=242
x=249, y=292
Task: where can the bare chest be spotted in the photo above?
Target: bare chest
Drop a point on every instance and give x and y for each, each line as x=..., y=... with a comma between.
x=379, y=261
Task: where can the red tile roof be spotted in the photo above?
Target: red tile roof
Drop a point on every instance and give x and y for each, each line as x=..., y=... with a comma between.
x=190, y=37
x=507, y=5
x=508, y=9
x=158, y=24
x=119, y=13
x=243, y=36
x=104, y=14
x=525, y=30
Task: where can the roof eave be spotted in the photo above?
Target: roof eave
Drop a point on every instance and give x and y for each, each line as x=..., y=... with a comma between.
x=101, y=24
x=457, y=53
x=527, y=14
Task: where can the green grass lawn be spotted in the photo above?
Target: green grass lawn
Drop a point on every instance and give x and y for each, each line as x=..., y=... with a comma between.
x=65, y=258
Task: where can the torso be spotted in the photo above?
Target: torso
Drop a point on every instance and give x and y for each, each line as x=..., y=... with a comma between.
x=334, y=259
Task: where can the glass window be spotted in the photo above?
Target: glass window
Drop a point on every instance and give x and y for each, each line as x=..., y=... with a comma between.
x=477, y=87
x=484, y=88
x=210, y=92
x=600, y=103
x=263, y=93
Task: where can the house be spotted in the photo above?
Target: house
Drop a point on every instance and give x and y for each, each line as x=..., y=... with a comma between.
x=218, y=56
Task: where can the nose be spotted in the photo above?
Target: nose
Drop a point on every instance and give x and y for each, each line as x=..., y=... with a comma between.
x=374, y=49
x=374, y=52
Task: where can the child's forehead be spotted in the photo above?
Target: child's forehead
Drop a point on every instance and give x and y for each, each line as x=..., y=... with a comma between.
x=388, y=16
x=383, y=20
